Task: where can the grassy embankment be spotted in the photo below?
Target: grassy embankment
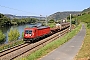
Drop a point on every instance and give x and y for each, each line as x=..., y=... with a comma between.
x=51, y=46
x=84, y=53
x=10, y=44
x=84, y=18
x=51, y=25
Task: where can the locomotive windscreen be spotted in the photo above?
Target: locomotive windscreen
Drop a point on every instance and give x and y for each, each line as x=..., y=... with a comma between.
x=28, y=31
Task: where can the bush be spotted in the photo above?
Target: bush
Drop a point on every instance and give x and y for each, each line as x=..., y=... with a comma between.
x=88, y=25
x=13, y=34
x=73, y=22
x=51, y=21
x=51, y=25
x=22, y=34
x=2, y=36
x=10, y=44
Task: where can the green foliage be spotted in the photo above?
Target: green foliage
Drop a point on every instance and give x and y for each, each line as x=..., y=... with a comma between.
x=4, y=21
x=13, y=34
x=2, y=36
x=51, y=21
x=22, y=34
x=51, y=25
x=62, y=15
x=16, y=21
x=72, y=16
x=86, y=10
x=73, y=22
x=88, y=25
x=83, y=13
x=84, y=18
x=10, y=44
x=1, y=15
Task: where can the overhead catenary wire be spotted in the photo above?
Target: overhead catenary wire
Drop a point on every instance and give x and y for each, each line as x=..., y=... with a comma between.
x=17, y=9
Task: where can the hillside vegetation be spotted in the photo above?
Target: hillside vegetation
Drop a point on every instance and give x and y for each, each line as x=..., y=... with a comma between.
x=62, y=15
x=84, y=53
x=84, y=18
x=7, y=21
x=86, y=10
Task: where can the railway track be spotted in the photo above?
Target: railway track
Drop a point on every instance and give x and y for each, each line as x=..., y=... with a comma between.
x=7, y=51
x=25, y=49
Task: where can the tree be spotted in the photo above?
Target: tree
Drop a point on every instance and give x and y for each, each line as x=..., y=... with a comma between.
x=13, y=34
x=51, y=21
x=1, y=15
x=72, y=16
x=4, y=21
x=2, y=36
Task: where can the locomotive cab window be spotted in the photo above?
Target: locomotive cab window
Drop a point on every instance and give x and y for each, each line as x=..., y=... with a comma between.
x=28, y=31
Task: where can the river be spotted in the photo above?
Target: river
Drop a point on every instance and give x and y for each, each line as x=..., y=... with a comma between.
x=20, y=28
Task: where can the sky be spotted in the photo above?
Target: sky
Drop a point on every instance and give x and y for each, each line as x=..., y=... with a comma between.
x=41, y=7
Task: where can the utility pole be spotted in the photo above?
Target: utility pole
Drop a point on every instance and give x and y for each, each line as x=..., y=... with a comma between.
x=40, y=19
x=76, y=21
x=70, y=22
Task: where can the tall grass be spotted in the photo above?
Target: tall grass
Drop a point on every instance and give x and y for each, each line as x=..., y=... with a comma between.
x=10, y=44
x=51, y=46
x=2, y=37
x=51, y=25
x=84, y=18
x=13, y=34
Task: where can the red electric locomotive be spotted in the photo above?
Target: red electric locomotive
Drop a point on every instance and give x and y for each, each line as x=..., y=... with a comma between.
x=32, y=34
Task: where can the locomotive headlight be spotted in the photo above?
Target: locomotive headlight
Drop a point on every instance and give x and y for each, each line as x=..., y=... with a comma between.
x=26, y=35
x=30, y=34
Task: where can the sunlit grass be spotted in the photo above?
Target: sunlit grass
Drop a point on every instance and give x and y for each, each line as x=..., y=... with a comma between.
x=84, y=18
x=11, y=44
x=51, y=25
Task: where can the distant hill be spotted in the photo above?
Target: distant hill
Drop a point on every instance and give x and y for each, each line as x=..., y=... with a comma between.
x=86, y=10
x=62, y=15
x=55, y=16
x=19, y=17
